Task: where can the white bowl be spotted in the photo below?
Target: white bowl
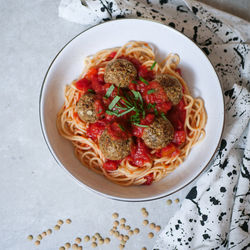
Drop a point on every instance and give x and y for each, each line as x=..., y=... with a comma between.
x=196, y=70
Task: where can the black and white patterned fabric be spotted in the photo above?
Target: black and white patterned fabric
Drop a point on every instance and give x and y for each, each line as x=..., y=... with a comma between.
x=216, y=211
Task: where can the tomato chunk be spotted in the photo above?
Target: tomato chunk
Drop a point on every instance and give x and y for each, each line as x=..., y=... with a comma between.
x=96, y=129
x=149, y=179
x=170, y=151
x=110, y=165
x=140, y=154
x=83, y=85
x=117, y=131
x=179, y=137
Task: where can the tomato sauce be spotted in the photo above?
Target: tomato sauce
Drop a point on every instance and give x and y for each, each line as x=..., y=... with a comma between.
x=152, y=99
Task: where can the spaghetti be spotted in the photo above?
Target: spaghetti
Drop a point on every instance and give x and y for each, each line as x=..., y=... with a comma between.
x=162, y=162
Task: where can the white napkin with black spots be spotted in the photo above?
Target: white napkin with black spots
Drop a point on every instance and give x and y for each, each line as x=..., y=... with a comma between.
x=216, y=211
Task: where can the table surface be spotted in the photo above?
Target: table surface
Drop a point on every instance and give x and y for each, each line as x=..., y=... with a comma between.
x=34, y=192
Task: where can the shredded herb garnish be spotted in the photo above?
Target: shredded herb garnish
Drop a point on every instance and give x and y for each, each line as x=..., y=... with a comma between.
x=121, y=127
x=91, y=91
x=109, y=112
x=100, y=111
x=163, y=116
x=153, y=65
x=125, y=112
x=150, y=91
x=109, y=91
x=135, y=82
x=140, y=125
x=143, y=80
x=114, y=102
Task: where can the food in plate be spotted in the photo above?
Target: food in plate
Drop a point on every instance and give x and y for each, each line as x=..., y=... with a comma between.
x=129, y=117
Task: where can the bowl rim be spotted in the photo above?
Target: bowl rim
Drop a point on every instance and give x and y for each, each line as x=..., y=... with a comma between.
x=43, y=129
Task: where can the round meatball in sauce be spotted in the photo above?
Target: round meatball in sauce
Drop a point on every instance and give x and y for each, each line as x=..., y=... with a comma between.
x=171, y=86
x=158, y=134
x=86, y=108
x=114, y=149
x=120, y=72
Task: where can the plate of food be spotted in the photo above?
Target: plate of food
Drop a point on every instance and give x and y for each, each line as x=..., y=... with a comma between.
x=132, y=109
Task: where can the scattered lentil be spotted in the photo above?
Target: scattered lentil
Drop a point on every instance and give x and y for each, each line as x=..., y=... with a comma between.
x=169, y=202
x=115, y=215
x=123, y=242
x=78, y=240
x=60, y=222
x=145, y=222
x=37, y=242
x=143, y=210
x=158, y=228
x=111, y=231
x=101, y=241
x=44, y=234
x=150, y=235
x=62, y=248
x=121, y=246
x=49, y=231
x=152, y=225
x=30, y=237
x=120, y=237
x=39, y=237
x=93, y=238
x=86, y=238
x=68, y=221
x=79, y=248
x=130, y=232
x=136, y=230
x=57, y=227
x=122, y=220
x=67, y=245
x=127, y=227
x=126, y=237
x=145, y=214
x=94, y=244
x=116, y=223
x=97, y=235
x=177, y=200
x=74, y=246
x=122, y=226
x=117, y=234
x=144, y=248
x=107, y=240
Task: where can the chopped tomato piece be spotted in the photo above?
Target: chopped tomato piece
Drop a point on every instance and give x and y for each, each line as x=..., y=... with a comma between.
x=83, y=84
x=170, y=151
x=97, y=85
x=92, y=72
x=149, y=179
x=111, y=56
x=179, y=137
x=117, y=131
x=140, y=154
x=154, y=93
x=96, y=129
x=145, y=73
x=99, y=107
x=110, y=165
x=164, y=107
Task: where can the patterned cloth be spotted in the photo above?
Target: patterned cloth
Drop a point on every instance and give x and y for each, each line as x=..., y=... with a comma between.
x=216, y=212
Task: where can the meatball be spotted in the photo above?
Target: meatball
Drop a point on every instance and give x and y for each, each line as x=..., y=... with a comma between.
x=158, y=134
x=86, y=108
x=172, y=87
x=114, y=149
x=120, y=72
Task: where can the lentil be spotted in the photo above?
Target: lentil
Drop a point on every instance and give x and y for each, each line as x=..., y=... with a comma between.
x=67, y=245
x=136, y=230
x=158, y=228
x=39, y=237
x=37, y=242
x=57, y=227
x=68, y=221
x=86, y=238
x=177, y=200
x=152, y=225
x=150, y=235
x=30, y=237
x=78, y=240
x=107, y=240
x=169, y=202
x=62, y=248
x=44, y=234
x=145, y=222
x=49, y=231
x=60, y=222
x=115, y=215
